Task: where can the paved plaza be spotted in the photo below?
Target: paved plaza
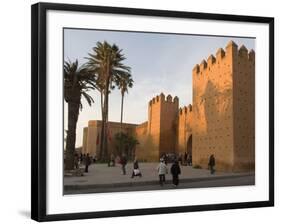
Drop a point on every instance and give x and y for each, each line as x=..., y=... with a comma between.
x=102, y=178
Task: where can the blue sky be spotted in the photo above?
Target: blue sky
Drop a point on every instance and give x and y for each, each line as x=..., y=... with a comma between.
x=159, y=63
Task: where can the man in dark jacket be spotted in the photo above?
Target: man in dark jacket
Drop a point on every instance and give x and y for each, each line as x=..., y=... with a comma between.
x=175, y=171
x=123, y=163
x=87, y=162
x=212, y=163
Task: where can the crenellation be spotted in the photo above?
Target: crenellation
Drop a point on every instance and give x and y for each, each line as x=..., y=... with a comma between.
x=162, y=97
x=231, y=44
x=243, y=51
x=211, y=60
x=251, y=55
x=220, y=54
x=185, y=110
x=169, y=99
x=196, y=69
x=203, y=66
x=176, y=100
x=231, y=49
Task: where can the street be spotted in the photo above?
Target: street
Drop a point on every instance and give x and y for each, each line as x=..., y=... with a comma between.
x=223, y=182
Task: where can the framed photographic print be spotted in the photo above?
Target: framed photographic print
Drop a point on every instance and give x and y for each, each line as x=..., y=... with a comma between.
x=139, y=111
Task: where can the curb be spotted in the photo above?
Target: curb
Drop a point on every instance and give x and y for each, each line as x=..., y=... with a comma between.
x=151, y=182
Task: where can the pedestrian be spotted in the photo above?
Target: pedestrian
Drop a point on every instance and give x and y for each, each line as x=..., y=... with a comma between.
x=189, y=159
x=87, y=162
x=76, y=161
x=180, y=158
x=175, y=171
x=94, y=158
x=112, y=160
x=185, y=157
x=81, y=158
x=123, y=163
x=136, y=169
x=162, y=171
x=212, y=163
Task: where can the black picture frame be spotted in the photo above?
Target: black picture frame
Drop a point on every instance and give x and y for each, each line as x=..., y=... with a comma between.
x=39, y=107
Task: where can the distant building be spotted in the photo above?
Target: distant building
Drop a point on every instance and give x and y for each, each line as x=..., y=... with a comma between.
x=220, y=121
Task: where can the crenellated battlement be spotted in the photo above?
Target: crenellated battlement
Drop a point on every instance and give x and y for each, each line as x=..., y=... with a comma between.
x=164, y=99
x=185, y=110
x=230, y=50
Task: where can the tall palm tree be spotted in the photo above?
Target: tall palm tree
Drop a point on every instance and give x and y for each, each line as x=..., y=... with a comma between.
x=106, y=62
x=123, y=84
x=77, y=82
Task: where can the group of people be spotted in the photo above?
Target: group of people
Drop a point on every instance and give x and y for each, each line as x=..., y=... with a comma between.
x=162, y=167
x=185, y=159
x=162, y=170
x=85, y=159
x=175, y=170
x=136, y=170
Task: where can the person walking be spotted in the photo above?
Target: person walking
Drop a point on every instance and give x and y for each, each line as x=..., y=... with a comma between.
x=175, y=171
x=185, y=157
x=136, y=169
x=87, y=162
x=212, y=163
x=180, y=159
x=162, y=171
x=76, y=161
x=123, y=163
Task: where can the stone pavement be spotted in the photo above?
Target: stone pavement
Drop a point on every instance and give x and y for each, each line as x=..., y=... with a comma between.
x=102, y=176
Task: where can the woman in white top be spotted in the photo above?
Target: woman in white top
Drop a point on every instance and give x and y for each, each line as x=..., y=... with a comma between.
x=162, y=171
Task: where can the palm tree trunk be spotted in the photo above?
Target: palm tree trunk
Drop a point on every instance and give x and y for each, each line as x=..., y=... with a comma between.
x=122, y=103
x=105, y=146
x=106, y=95
x=102, y=126
x=73, y=112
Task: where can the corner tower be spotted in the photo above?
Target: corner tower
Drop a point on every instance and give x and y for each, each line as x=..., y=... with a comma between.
x=223, y=109
x=162, y=129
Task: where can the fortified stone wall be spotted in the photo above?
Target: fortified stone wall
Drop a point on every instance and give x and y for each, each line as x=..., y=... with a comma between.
x=161, y=126
x=85, y=140
x=216, y=105
x=94, y=136
x=142, y=152
x=168, y=124
x=220, y=121
x=244, y=108
x=184, y=130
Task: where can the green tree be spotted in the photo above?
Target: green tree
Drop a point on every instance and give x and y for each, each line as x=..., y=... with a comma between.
x=78, y=81
x=125, y=144
x=106, y=61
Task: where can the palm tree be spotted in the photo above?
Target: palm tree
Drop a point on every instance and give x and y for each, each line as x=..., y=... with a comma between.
x=123, y=84
x=106, y=62
x=77, y=82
